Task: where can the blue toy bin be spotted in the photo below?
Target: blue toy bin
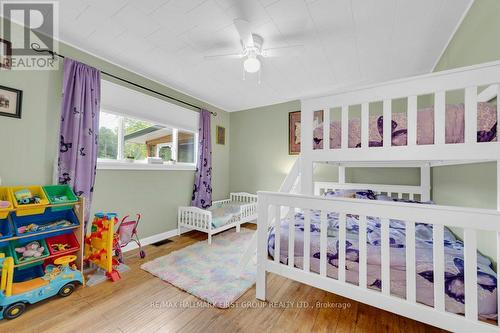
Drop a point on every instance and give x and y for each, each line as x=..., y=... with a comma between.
x=44, y=222
x=29, y=272
x=5, y=231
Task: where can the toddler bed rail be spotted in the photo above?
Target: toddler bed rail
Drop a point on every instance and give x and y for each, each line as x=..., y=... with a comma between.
x=471, y=220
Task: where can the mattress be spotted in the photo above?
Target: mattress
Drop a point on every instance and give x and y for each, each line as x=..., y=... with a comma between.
x=454, y=262
x=454, y=127
x=222, y=214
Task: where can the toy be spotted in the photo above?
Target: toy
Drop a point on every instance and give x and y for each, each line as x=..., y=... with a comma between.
x=25, y=197
x=4, y=204
x=127, y=232
x=60, y=198
x=59, y=247
x=31, y=250
x=33, y=227
x=99, y=244
x=59, y=279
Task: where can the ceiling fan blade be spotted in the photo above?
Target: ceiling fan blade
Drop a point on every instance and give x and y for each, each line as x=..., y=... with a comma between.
x=243, y=28
x=224, y=56
x=293, y=50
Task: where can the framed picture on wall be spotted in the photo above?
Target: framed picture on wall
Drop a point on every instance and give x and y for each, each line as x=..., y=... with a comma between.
x=10, y=102
x=5, y=54
x=221, y=135
x=294, y=133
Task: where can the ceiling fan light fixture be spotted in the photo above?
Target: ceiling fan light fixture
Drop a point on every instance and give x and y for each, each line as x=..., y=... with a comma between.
x=251, y=65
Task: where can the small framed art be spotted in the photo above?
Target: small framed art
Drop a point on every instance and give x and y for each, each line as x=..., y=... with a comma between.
x=10, y=102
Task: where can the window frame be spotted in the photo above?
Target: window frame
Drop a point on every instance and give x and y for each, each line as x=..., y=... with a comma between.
x=121, y=163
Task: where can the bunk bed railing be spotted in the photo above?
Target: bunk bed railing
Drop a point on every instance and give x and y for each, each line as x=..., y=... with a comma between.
x=467, y=79
x=396, y=191
x=438, y=216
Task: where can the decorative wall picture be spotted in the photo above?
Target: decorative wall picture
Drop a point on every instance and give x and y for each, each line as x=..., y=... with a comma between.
x=10, y=102
x=294, y=133
x=221, y=135
x=5, y=54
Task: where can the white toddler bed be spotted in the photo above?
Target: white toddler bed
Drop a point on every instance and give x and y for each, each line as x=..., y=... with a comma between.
x=222, y=215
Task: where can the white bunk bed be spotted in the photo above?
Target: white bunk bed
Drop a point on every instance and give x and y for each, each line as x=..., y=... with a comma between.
x=275, y=206
x=240, y=208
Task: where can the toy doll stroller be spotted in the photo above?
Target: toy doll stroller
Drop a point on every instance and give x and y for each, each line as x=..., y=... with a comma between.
x=126, y=233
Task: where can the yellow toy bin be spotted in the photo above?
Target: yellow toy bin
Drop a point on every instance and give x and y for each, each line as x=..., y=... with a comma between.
x=29, y=209
x=5, y=196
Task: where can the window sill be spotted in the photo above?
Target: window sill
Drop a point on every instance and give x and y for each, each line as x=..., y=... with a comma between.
x=143, y=166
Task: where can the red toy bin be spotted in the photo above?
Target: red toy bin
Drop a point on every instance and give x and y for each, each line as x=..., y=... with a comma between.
x=68, y=238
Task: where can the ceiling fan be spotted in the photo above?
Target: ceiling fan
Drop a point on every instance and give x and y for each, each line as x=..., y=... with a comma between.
x=252, y=51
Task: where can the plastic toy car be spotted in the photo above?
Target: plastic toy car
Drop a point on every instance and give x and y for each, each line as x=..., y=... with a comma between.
x=59, y=279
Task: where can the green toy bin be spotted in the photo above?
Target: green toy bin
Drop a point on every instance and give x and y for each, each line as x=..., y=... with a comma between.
x=60, y=195
x=5, y=196
x=32, y=208
x=6, y=250
x=22, y=242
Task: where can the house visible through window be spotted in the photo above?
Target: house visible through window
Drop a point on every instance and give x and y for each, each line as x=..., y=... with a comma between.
x=135, y=140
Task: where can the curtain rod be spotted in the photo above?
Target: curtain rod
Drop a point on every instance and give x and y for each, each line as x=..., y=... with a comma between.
x=36, y=47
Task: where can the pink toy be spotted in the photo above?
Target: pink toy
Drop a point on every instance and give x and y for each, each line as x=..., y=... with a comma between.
x=31, y=250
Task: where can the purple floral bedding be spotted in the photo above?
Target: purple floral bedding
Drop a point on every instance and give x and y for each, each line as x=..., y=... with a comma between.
x=454, y=262
x=454, y=128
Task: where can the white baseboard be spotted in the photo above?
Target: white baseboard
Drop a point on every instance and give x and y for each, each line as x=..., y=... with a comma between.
x=159, y=237
x=152, y=239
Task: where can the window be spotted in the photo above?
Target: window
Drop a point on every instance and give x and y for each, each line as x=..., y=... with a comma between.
x=136, y=142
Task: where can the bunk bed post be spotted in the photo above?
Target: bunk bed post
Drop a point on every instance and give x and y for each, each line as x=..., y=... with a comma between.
x=341, y=174
x=425, y=182
x=306, y=140
x=498, y=233
x=326, y=128
x=262, y=227
x=387, y=126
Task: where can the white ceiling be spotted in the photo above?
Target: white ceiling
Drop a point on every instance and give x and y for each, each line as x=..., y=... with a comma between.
x=346, y=42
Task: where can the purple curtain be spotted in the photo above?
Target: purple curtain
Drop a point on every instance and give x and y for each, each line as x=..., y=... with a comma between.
x=79, y=129
x=202, y=192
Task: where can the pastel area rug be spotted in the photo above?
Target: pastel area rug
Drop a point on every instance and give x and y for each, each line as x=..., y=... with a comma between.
x=209, y=272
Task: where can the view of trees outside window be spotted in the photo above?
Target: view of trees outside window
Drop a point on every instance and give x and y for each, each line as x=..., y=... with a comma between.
x=135, y=139
x=108, y=136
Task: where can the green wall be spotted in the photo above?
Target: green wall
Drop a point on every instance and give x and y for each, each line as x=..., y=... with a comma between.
x=29, y=147
x=259, y=137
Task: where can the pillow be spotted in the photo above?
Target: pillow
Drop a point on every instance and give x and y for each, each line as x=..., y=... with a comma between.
x=355, y=194
x=383, y=197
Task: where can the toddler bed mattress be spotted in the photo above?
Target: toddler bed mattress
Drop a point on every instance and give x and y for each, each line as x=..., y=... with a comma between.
x=454, y=262
x=223, y=214
x=454, y=127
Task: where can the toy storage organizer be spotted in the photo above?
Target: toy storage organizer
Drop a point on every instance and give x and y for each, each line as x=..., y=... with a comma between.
x=57, y=203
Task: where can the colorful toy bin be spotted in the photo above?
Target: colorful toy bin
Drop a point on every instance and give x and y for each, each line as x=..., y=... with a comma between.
x=48, y=222
x=5, y=250
x=5, y=230
x=26, y=205
x=62, y=244
x=61, y=195
x=39, y=246
x=5, y=202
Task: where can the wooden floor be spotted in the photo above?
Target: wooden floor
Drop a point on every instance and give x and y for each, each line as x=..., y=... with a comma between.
x=140, y=302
